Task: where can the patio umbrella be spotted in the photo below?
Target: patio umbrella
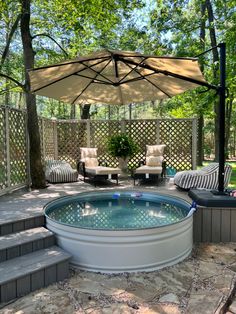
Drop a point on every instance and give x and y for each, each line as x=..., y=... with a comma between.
x=124, y=77
x=116, y=77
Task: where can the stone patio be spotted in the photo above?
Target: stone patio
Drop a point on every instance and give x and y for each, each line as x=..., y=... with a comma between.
x=203, y=283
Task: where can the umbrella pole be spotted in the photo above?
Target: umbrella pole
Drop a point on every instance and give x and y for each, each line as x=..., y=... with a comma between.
x=221, y=118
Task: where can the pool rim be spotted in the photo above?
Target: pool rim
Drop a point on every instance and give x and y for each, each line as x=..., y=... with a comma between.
x=45, y=207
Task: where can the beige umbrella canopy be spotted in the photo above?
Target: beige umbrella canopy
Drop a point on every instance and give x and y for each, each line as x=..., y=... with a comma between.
x=116, y=77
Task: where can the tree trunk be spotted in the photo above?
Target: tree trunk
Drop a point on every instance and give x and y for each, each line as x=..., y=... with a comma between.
x=36, y=168
x=215, y=72
x=85, y=114
x=73, y=111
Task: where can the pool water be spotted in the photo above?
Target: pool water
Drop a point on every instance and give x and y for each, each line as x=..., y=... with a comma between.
x=119, y=211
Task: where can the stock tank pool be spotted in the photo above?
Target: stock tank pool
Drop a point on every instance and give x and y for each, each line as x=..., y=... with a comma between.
x=121, y=231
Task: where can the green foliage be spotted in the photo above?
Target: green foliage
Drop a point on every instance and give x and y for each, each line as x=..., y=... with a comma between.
x=121, y=145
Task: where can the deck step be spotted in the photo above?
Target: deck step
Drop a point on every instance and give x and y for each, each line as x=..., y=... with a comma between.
x=24, y=242
x=16, y=224
x=24, y=274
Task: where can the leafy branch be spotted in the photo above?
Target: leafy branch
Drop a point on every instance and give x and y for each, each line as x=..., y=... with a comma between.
x=6, y=50
x=46, y=35
x=13, y=80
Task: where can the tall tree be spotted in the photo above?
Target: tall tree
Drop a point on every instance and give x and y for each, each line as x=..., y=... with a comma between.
x=36, y=168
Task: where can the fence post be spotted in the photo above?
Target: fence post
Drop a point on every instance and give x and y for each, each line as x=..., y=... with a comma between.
x=27, y=152
x=194, y=143
x=123, y=126
x=158, y=131
x=42, y=139
x=7, y=139
x=88, y=125
x=55, y=139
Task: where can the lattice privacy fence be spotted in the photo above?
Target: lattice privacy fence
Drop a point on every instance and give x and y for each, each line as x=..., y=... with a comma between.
x=61, y=139
x=13, y=152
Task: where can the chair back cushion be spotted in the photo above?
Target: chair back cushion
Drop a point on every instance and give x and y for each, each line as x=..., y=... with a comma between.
x=155, y=150
x=90, y=162
x=88, y=152
x=154, y=161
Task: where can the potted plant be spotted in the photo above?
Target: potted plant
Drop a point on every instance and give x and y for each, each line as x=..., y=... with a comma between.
x=123, y=147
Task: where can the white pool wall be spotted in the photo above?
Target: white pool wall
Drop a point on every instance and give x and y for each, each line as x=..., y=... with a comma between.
x=117, y=251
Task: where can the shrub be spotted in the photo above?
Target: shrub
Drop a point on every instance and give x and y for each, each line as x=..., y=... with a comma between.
x=121, y=145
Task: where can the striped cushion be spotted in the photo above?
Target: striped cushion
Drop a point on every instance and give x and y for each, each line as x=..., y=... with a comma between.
x=205, y=178
x=60, y=171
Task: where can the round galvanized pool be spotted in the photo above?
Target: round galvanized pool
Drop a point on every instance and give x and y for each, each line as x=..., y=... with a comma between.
x=121, y=231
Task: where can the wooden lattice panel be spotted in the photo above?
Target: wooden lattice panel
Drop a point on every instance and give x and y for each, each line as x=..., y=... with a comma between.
x=71, y=136
x=177, y=135
x=40, y=121
x=143, y=132
x=3, y=157
x=100, y=131
x=47, y=139
x=17, y=146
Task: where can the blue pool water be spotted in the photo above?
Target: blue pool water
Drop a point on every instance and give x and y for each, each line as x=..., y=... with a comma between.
x=117, y=210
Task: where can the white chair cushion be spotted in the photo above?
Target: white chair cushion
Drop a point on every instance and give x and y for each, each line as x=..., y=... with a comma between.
x=148, y=169
x=100, y=170
x=90, y=162
x=154, y=161
x=88, y=152
x=155, y=150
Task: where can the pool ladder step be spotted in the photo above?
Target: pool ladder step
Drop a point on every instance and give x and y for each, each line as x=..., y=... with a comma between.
x=29, y=259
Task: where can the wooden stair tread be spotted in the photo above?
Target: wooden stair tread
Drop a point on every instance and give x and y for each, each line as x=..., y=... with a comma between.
x=18, y=238
x=32, y=262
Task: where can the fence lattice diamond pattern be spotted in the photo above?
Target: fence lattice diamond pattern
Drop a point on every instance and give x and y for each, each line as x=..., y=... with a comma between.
x=61, y=139
x=71, y=136
x=17, y=144
x=143, y=132
x=100, y=131
x=177, y=135
x=3, y=152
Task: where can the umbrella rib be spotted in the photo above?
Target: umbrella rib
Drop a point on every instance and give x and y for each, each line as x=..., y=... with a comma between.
x=136, y=78
x=99, y=72
x=98, y=80
x=144, y=77
x=74, y=73
x=132, y=69
x=102, y=59
x=92, y=81
x=164, y=72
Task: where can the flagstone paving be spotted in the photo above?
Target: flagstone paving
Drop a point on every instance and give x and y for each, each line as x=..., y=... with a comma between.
x=201, y=284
